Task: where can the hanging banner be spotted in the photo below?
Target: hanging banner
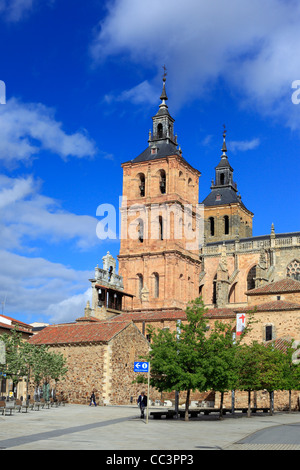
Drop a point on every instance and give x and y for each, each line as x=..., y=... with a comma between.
x=240, y=323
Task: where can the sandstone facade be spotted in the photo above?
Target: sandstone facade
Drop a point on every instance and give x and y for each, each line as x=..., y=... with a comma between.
x=100, y=357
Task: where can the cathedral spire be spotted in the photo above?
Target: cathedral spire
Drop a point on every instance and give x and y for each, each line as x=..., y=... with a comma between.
x=163, y=123
x=163, y=95
x=224, y=148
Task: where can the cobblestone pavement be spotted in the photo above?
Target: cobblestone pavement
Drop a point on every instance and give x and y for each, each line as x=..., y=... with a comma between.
x=119, y=428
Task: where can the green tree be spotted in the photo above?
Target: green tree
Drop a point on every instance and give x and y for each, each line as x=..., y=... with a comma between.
x=221, y=373
x=291, y=369
x=179, y=361
x=47, y=365
x=262, y=367
x=248, y=372
x=26, y=359
x=15, y=366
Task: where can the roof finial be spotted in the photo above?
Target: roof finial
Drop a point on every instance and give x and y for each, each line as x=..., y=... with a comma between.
x=165, y=73
x=224, y=148
x=164, y=94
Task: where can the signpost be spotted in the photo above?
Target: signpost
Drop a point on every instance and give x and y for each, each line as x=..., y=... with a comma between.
x=144, y=367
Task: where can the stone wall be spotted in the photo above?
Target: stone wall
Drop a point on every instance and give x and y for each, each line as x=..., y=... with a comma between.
x=124, y=351
x=85, y=364
x=106, y=369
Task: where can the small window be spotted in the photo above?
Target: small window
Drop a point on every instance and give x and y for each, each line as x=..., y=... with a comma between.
x=140, y=285
x=226, y=225
x=156, y=285
x=269, y=332
x=161, y=228
x=214, y=296
x=212, y=226
x=141, y=231
x=222, y=179
x=159, y=131
x=142, y=185
x=162, y=182
x=251, y=278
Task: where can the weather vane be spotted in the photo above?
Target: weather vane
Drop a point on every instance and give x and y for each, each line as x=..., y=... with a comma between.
x=165, y=72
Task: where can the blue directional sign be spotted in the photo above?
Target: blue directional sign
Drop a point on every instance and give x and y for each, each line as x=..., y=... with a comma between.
x=141, y=367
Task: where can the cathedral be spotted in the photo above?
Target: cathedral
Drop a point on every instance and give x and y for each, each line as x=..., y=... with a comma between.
x=173, y=249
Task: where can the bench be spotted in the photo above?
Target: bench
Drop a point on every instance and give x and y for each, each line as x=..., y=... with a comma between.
x=7, y=406
x=169, y=414
x=34, y=405
x=44, y=403
x=253, y=410
x=2, y=407
x=21, y=405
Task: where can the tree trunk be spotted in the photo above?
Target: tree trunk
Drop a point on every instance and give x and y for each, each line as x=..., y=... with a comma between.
x=290, y=401
x=187, y=401
x=249, y=404
x=271, y=403
x=221, y=406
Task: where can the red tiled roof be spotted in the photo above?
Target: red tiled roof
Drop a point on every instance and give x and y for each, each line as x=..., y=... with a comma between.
x=173, y=315
x=276, y=305
x=221, y=313
x=19, y=325
x=87, y=319
x=284, y=285
x=151, y=316
x=95, y=332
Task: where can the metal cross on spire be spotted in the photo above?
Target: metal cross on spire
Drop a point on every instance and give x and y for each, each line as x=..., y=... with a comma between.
x=224, y=148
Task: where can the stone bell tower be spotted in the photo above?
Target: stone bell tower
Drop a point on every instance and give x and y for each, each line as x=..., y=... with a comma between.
x=226, y=216
x=159, y=253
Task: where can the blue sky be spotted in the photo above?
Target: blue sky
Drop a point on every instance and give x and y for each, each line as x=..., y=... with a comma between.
x=83, y=80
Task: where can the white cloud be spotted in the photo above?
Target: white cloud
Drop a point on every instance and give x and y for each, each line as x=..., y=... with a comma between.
x=34, y=286
x=14, y=10
x=142, y=93
x=28, y=129
x=243, y=145
x=250, y=45
x=69, y=309
x=25, y=214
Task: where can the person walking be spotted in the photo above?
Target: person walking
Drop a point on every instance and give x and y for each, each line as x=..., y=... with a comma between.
x=92, y=399
x=142, y=403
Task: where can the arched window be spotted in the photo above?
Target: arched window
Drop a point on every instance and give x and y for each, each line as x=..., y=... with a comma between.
x=160, y=228
x=293, y=270
x=251, y=278
x=140, y=285
x=222, y=178
x=226, y=225
x=142, y=185
x=162, y=182
x=212, y=226
x=156, y=285
x=141, y=231
x=159, y=131
x=214, y=296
